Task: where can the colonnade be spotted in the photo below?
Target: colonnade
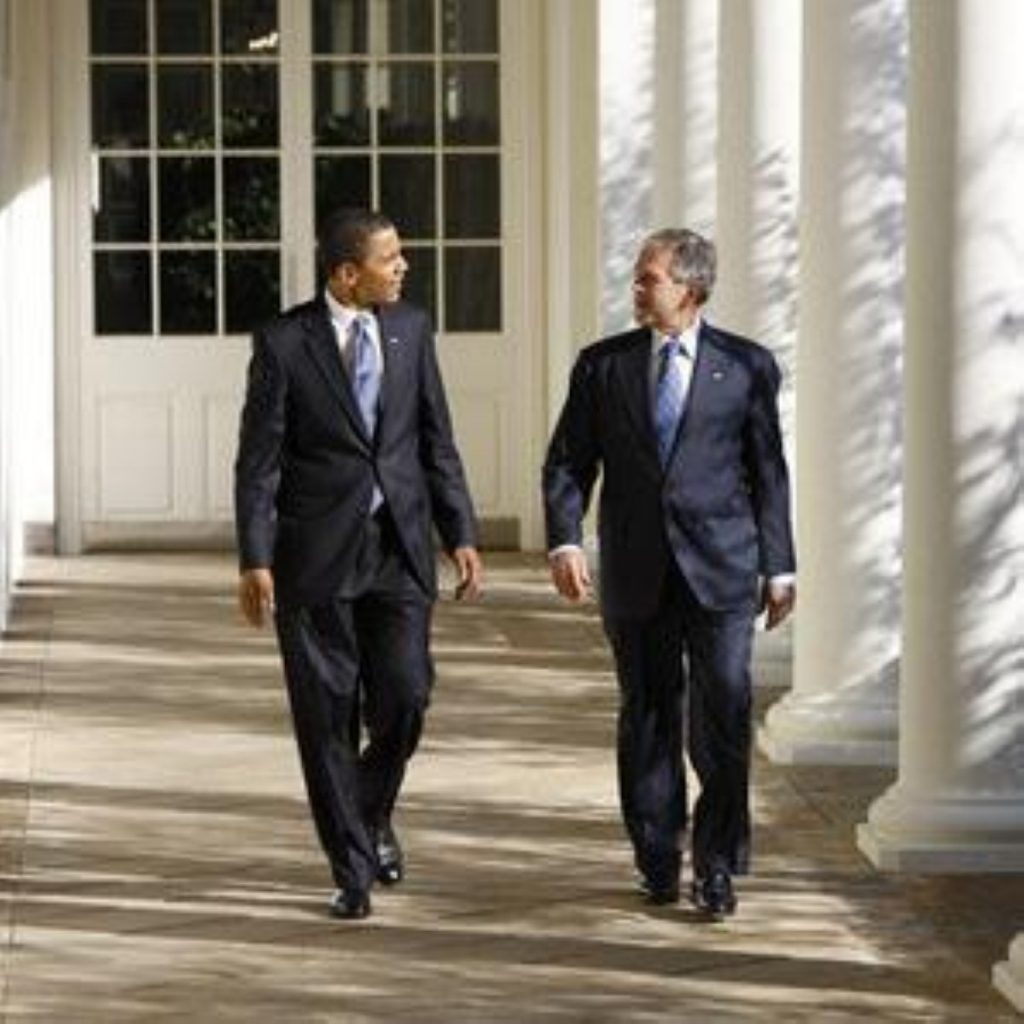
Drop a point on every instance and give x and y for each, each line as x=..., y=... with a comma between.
x=907, y=310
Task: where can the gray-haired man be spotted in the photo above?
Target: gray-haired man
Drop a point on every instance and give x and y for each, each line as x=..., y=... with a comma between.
x=680, y=417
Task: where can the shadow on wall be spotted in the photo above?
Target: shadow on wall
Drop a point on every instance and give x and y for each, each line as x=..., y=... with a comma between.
x=873, y=223
x=627, y=149
x=989, y=528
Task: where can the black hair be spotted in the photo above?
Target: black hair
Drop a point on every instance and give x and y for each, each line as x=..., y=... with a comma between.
x=344, y=235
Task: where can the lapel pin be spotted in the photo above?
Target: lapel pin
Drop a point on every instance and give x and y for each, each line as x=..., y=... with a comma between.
x=392, y=341
x=717, y=375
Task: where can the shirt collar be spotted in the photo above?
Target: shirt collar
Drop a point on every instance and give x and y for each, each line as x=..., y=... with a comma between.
x=342, y=315
x=687, y=338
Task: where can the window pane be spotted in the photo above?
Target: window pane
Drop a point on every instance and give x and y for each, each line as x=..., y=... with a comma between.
x=186, y=199
x=183, y=26
x=248, y=26
x=420, y=285
x=188, y=293
x=340, y=26
x=471, y=104
x=120, y=106
x=405, y=93
x=407, y=194
x=252, y=286
x=472, y=197
x=341, y=181
x=410, y=26
x=123, y=214
x=117, y=26
x=342, y=113
x=249, y=105
x=122, y=293
x=185, y=106
x=251, y=199
x=469, y=26
x=472, y=289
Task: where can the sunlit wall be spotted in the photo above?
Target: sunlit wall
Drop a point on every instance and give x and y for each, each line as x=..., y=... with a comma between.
x=26, y=285
x=5, y=335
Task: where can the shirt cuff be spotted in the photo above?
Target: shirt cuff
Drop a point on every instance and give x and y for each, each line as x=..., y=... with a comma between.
x=785, y=579
x=563, y=549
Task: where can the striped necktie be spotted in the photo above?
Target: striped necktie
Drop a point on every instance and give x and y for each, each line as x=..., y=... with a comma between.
x=365, y=372
x=669, y=396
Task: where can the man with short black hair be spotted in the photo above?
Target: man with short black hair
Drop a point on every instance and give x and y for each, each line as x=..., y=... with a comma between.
x=345, y=462
x=680, y=418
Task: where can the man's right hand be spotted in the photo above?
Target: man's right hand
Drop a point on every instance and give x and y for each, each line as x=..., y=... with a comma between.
x=570, y=574
x=256, y=595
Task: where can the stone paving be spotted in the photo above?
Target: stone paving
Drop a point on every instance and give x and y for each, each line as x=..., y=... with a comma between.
x=158, y=862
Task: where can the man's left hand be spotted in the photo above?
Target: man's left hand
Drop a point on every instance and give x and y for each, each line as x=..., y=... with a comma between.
x=470, y=569
x=778, y=600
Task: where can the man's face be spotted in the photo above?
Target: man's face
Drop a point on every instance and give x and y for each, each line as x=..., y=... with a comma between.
x=658, y=300
x=378, y=279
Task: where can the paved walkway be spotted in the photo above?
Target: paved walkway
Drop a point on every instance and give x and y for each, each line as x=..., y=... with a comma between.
x=158, y=863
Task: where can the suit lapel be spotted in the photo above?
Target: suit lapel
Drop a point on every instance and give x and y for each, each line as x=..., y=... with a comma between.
x=322, y=344
x=636, y=383
x=711, y=367
x=395, y=349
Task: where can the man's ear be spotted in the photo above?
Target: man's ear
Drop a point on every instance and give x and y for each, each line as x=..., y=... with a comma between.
x=344, y=277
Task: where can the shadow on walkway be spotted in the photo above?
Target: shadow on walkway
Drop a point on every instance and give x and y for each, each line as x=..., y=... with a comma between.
x=158, y=862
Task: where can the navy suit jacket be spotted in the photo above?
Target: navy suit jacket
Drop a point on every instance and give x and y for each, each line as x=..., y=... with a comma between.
x=720, y=508
x=306, y=468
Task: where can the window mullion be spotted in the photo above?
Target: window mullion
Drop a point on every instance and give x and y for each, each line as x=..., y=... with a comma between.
x=439, y=275
x=154, y=166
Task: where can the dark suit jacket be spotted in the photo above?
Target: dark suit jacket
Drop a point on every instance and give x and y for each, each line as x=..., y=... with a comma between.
x=306, y=468
x=720, y=508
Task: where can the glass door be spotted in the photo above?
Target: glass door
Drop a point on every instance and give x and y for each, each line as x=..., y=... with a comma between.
x=207, y=138
x=407, y=118
x=185, y=147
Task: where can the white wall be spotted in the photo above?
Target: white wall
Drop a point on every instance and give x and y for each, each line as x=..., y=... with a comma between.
x=26, y=282
x=5, y=308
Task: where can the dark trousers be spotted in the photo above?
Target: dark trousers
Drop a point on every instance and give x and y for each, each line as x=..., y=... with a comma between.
x=684, y=646
x=353, y=662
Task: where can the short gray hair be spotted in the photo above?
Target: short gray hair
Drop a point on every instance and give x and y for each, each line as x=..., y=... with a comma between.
x=694, y=260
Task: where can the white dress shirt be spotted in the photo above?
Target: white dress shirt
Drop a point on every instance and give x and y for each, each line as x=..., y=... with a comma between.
x=343, y=319
x=688, y=343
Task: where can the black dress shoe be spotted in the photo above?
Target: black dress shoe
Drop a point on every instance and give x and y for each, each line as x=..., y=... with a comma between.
x=390, y=860
x=713, y=894
x=659, y=894
x=350, y=904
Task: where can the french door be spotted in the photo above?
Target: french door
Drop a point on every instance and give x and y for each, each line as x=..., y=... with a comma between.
x=200, y=143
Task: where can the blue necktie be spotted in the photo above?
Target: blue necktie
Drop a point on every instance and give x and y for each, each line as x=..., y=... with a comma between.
x=365, y=373
x=669, y=396
x=366, y=376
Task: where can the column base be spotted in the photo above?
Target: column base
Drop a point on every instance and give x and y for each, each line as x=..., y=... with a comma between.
x=1008, y=977
x=772, y=664
x=955, y=833
x=832, y=728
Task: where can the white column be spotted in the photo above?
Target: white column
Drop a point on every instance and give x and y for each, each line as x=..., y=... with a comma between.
x=626, y=151
x=842, y=708
x=757, y=159
x=1008, y=976
x=958, y=802
x=685, y=113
